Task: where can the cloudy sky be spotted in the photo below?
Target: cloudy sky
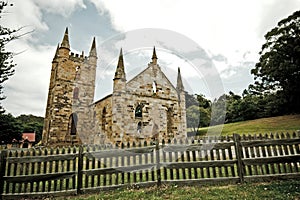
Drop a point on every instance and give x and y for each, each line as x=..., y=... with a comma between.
x=214, y=42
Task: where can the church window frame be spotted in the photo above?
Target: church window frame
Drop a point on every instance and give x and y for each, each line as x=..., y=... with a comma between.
x=139, y=128
x=138, y=111
x=170, y=115
x=73, y=120
x=77, y=72
x=103, y=121
x=154, y=87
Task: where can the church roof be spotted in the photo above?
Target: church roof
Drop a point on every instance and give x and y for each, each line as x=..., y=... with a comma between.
x=120, y=68
x=133, y=79
x=107, y=96
x=154, y=58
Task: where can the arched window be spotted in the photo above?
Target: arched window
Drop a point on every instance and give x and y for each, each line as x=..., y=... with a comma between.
x=138, y=111
x=154, y=87
x=104, y=118
x=76, y=93
x=73, y=124
x=169, y=120
x=77, y=75
x=139, y=128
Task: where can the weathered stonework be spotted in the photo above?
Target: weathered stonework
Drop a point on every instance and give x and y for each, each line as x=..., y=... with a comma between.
x=145, y=108
x=163, y=106
x=71, y=92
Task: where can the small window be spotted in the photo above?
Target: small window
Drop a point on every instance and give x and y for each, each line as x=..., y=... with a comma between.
x=138, y=111
x=139, y=128
x=104, y=119
x=73, y=124
x=77, y=73
x=154, y=87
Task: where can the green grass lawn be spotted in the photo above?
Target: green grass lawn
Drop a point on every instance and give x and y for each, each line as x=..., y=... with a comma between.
x=281, y=124
x=284, y=190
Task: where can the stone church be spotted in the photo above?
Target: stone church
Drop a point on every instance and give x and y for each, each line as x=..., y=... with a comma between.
x=145, y=108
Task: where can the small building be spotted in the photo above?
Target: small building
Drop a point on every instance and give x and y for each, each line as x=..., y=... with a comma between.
x=28, y=140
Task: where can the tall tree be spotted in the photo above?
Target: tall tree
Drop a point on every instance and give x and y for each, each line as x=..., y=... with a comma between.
x=32, y=123
x=190, y=100
x=10, y=129
x=278, y=68
x=218, y=110
x=203, y=102
x=197, y=117
x=6, y=62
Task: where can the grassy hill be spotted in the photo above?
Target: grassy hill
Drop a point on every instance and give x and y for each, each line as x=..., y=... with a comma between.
x=287, y=123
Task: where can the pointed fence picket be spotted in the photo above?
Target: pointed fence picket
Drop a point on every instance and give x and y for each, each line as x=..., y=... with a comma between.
x=91, y=168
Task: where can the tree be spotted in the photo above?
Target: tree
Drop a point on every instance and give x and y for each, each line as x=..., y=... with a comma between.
x=202, y=101
x=278, y=68
x=10, y=129
x=32, y=123
x=218, y=110
x=197, y=117
x=190, y=100
x=6, y=62
x=233, y=110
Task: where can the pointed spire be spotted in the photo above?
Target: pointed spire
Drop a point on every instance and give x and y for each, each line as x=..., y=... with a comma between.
x=121, y=61
x=179, y=86
x=93, y=51
x=120, y=72
x=56, y=52
x=65, y=41
x=154, y=57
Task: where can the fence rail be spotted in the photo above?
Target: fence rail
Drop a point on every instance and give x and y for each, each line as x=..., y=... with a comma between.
x=92, y=168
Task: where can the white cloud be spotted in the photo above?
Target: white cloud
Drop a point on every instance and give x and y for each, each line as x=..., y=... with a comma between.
x=220, y=26
x=273, y=12
x=64, y=8
x=216, y=25
x=23, y=13
x=231, y=28
x=27, y=89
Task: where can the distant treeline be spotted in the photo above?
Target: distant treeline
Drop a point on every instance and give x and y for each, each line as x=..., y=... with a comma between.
x=12, y=127
x=234, y=108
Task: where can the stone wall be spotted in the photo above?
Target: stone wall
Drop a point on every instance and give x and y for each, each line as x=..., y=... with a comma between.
x=163, y=114
x=71, y=93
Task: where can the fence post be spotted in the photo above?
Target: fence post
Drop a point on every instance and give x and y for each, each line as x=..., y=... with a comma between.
x=157, y=163
x=79, y=168
x=239, y=155
x=3, y=155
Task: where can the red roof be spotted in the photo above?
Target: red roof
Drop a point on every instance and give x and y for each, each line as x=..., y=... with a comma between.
x=29, y=136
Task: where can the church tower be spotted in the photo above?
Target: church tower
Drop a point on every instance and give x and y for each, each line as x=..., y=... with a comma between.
x=70, y=95
x=119, y=99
